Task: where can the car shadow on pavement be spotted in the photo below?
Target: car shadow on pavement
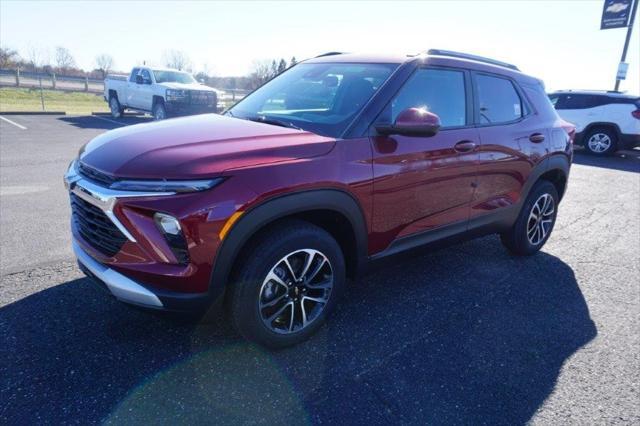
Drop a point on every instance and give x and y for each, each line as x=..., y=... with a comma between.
x=466, y=334
x=106, y=123
x=628, y=161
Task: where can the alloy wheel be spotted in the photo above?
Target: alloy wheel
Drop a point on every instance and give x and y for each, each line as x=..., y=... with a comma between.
x=599, y=142
x=295, y=291
x=540, y=219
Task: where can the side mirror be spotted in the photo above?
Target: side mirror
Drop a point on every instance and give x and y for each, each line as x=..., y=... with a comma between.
x=412, y=122
x=139, y=79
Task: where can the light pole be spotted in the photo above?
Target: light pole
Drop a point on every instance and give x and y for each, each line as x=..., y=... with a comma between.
x=634, y=9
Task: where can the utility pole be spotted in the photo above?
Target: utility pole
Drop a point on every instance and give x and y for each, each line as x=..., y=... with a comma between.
x=634, y=9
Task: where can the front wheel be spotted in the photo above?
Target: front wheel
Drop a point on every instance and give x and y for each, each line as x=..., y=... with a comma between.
x=159, y=111
x=535, y=221
x=288, y=283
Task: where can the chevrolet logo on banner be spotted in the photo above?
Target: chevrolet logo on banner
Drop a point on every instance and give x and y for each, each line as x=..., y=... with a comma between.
x=615, y=14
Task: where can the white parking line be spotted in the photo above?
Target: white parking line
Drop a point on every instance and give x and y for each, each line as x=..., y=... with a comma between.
x=110, y=121
x=19, y=126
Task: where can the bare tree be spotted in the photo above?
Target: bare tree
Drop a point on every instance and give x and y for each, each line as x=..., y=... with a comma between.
x=8, y=57
x=177, y=59
x=260, y=72
x=64, y=59
x=37, y=57
x=104, y=63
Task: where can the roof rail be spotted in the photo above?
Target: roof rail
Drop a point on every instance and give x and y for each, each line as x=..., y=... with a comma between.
x=453, y=54
x=329, y=54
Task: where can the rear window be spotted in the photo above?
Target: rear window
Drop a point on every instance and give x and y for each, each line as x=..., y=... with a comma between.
x=134, y=73
x=498, y=100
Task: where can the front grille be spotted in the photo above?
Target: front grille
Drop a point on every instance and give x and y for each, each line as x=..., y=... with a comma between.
x=95, y=227
x=95, y=175
x=203, y=98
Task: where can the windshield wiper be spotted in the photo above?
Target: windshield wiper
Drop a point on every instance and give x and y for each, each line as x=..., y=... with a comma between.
x=268, y=120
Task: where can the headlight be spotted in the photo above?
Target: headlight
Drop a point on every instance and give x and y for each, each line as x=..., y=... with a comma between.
x=176, y=95
x=166, y=185
x=71, y=175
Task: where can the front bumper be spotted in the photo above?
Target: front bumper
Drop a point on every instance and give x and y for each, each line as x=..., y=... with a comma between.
x=142, y=271
x=185, y=108
x=135, y=293
x=121, y=287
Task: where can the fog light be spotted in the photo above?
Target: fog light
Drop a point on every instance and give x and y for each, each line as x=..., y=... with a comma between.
x=168, y=224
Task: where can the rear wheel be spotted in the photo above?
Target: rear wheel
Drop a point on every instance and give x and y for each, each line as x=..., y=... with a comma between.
x=290, y=281
x=115, y=107
x=535, y=222
x=601, y=141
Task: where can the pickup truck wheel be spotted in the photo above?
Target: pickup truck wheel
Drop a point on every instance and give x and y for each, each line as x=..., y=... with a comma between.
x=159, y=111
x=114, y=106
x=535, y=221
x=601, y=141
x=289, y=282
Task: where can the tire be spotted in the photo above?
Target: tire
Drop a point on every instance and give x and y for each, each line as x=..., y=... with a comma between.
x=115, y=107
x=264, y=279
x=601, y=141
x=159, y=111
x=529, y=234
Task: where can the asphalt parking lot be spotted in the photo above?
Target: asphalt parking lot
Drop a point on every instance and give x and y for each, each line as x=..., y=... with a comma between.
x=466, y=334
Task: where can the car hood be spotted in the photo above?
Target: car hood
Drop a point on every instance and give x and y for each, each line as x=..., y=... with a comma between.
x=197, y=147
x=188, y=86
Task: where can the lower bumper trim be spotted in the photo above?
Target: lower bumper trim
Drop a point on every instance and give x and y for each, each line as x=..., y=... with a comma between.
x=123, y=288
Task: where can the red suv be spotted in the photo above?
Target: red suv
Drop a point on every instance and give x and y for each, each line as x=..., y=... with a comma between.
x=340, y=160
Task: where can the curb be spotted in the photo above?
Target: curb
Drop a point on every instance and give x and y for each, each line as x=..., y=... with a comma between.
x=33, y=113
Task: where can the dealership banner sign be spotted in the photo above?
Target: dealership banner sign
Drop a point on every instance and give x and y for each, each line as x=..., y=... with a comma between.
x=615, y=14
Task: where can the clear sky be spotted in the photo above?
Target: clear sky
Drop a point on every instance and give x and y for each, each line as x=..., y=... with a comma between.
x=558, y=41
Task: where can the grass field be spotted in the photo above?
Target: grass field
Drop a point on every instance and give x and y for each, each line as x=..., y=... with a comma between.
x=14, y=99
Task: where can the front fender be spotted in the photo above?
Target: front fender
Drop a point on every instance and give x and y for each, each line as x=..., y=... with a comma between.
x=279, y=207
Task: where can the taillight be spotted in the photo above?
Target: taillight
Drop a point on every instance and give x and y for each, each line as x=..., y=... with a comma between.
x=636, y=114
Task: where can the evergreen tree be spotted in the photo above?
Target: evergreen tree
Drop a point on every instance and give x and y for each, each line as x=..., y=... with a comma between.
x=282, y=65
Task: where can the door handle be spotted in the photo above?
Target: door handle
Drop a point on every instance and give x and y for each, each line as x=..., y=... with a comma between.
x=536, y=138
x=464, y=146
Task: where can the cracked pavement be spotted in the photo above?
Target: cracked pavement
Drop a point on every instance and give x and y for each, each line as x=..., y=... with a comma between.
x=465, y=334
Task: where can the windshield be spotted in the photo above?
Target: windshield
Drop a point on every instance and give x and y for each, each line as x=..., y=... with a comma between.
x=173, y=77
x=321, y=98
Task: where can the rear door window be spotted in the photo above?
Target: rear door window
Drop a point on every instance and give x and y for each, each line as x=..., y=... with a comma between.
x=498, y=100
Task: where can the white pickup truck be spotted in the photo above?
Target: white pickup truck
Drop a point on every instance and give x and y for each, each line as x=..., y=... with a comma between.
x=162, y=92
